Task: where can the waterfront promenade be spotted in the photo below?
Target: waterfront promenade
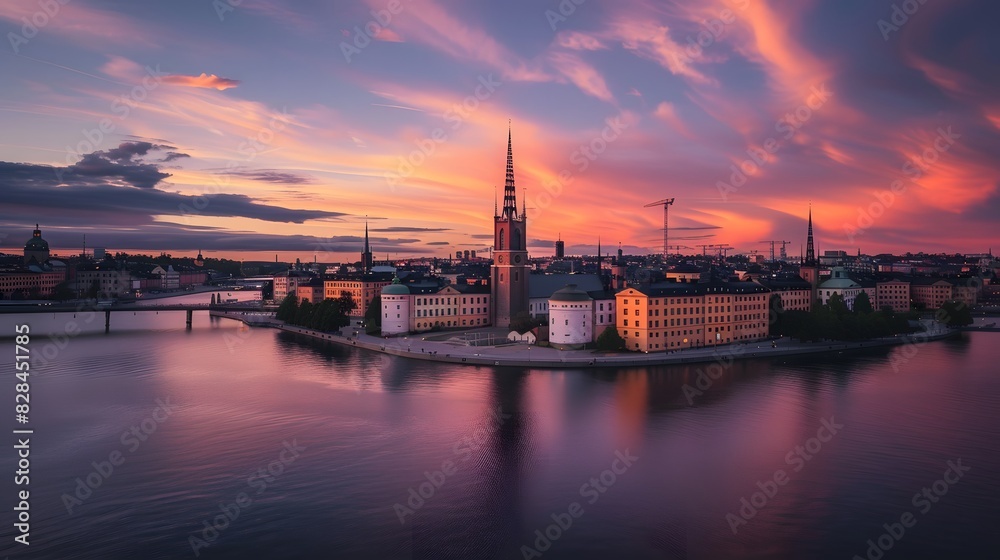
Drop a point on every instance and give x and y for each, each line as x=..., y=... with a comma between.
x=522, y=355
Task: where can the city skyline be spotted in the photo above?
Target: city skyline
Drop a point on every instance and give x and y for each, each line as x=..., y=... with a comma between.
x=268, y=129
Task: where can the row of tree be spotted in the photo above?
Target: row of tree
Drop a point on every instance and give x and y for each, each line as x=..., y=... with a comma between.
x=327, y=315
x=835, y=321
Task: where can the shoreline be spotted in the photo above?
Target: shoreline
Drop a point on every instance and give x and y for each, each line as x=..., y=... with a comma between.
x=519, y=355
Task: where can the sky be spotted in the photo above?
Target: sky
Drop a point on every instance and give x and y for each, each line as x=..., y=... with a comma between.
x=252, y=129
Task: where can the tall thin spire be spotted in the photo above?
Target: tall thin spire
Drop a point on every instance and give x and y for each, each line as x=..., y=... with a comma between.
x=810, y=248
x=496, y=212
x=366, y=235
x=509, y=197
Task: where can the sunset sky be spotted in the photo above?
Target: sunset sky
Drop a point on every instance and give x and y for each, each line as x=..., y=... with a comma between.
x=276, y=127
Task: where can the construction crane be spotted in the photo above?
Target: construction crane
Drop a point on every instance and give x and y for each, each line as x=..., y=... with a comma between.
x=772, y=242
x=719, y=249
x=666, y=202
x=678, y=247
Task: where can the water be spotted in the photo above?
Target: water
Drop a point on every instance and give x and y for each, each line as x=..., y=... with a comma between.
x=365, y=428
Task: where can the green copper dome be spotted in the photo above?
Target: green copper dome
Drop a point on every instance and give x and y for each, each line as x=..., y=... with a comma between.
x=570, y=293
x=396, y=288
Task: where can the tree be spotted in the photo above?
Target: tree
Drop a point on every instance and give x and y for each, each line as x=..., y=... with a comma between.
x=62, y=292
x=610, y=340
x=837, y=304
x=863, y=304
x=303, y=317
x=288, y=308
x=954, y=314
x=523, y=322
x=373, y=316
x=95, y=289
x=776, y=310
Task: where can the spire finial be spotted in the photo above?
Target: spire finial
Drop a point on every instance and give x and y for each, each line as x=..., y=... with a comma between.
x=509, y=195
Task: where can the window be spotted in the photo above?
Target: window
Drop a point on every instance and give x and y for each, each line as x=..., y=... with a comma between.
x=502, y=239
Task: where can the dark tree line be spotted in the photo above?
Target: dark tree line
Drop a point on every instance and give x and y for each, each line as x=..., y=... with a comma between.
x=834, y=321
x=327, y=315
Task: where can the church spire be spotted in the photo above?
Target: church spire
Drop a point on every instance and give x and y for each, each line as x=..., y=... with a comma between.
x=810, y=249
x=509, y=197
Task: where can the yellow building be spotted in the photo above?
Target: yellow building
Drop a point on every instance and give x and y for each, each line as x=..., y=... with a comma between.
x=361, y=287
x=677, y=315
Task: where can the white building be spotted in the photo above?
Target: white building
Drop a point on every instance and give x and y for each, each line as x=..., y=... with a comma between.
x=839, y=283
x=571, y=318
x=395, y=309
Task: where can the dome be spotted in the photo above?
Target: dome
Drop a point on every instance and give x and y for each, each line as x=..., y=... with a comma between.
x=395, y=289
x=570, y=293
x=36, y=243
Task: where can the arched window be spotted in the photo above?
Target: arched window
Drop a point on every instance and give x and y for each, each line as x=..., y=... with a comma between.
x=501, y=239
x=515, y=240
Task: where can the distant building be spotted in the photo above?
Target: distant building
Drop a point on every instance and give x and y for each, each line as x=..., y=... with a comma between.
x=794, y=291
x=571, y=318
x=36, y=249
x=427, y=303
x=893, y=294
x=675, y=315
x=310, y=290
x=395, y=309
x=361, y=287
x=839, y=283
x=288, y=282
x=560, y=248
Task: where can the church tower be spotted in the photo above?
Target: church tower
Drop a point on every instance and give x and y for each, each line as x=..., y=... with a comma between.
x=366, y=253
x=510, y=257
x=809, y=269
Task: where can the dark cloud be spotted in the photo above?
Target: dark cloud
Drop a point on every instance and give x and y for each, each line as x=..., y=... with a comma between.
x=409, y=229
x=177, y=237
x=272, y=176
x=437, y=243
x=116, y=187
x=171, y=156
x=481, y=236
x=121, y=164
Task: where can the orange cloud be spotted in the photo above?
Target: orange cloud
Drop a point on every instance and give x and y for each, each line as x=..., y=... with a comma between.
x=207, y=81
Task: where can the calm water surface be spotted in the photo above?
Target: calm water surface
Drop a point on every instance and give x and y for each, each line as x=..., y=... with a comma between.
x=518, y=445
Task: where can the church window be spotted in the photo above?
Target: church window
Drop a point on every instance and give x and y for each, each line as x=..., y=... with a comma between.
x=501, y=239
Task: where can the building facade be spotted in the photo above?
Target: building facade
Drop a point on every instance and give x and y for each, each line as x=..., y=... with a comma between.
x=892, y=294
x=361, y=287
x=571, y=318
x=839, y=283
x=676, y=315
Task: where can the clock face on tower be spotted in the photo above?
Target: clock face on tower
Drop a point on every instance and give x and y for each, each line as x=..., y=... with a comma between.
x=500, y=259
x=517, y=259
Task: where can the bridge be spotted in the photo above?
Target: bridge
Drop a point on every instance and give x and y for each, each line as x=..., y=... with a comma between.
x=190, y=308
